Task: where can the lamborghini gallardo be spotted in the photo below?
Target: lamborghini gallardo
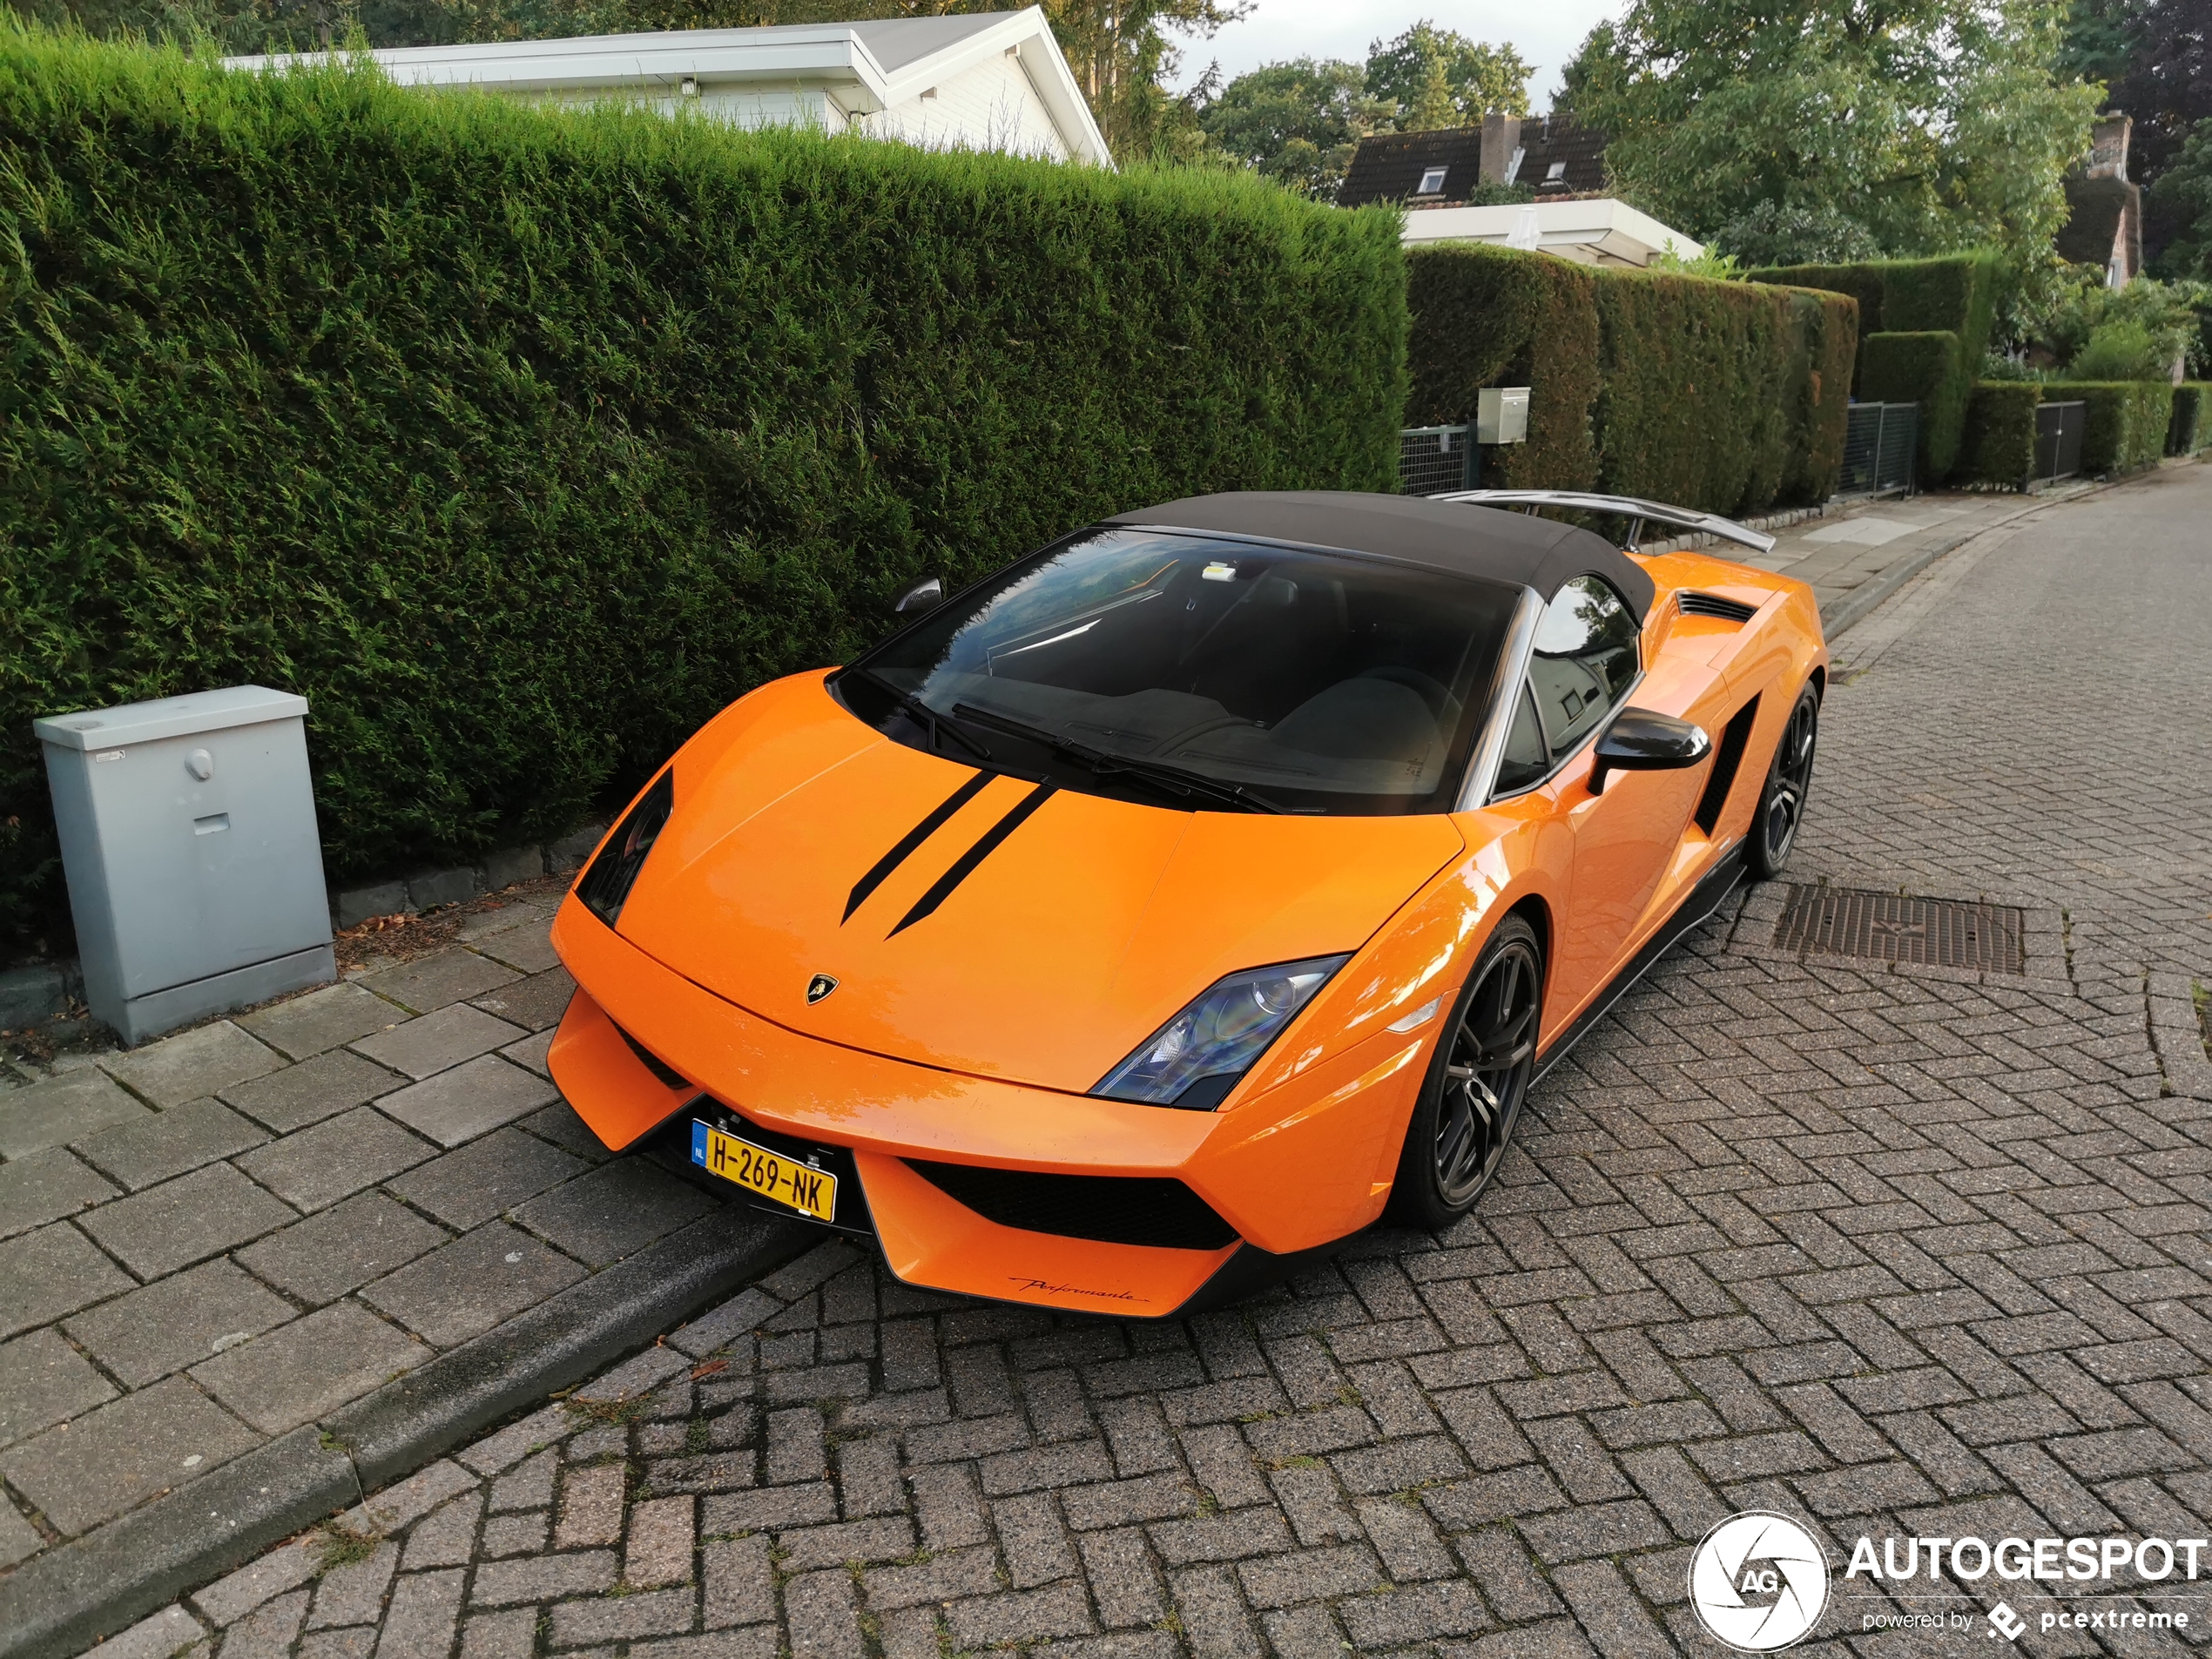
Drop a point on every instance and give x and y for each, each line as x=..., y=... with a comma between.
x=1152, y=915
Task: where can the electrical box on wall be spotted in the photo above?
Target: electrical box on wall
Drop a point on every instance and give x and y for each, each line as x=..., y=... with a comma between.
x=195, y=869
x=1501, y=415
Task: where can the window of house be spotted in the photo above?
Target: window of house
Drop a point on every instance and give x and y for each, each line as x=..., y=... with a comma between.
x=1557, y=172
x=1432, y=182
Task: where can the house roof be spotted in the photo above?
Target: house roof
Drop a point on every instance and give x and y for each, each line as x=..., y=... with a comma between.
x=1389, y=167
x=874, y=64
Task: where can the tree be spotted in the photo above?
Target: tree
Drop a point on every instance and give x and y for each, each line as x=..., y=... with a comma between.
x=2155, y=58
x=1926, y=125
x=1438, y=78
x=1297, y=122
x=2183, y=194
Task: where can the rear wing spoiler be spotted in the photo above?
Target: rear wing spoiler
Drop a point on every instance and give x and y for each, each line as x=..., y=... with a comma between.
x=1637, y=513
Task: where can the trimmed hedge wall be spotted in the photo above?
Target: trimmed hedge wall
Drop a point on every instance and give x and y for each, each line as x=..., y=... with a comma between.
x=2000, y=448
x=1719, y=395
x=2190, y=429
x=1903, y=303
x=2127, y=424
x=520, y=441
x=1924, y=368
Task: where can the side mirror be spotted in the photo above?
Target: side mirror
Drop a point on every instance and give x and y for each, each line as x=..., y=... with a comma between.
x=1640, y=740
x=925, y=595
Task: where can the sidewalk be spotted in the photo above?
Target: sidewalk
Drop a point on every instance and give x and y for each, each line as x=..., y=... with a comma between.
x=234, y=1242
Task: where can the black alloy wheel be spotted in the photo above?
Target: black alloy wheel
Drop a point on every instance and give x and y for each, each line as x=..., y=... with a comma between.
x=1789, y=781
x=1475, y=1084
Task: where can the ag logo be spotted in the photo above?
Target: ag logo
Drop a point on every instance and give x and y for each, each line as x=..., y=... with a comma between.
x=1758, y=1581
x=820, y=987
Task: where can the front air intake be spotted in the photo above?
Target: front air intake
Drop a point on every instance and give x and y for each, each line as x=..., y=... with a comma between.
x=1106, y=1209
x=1711, y=604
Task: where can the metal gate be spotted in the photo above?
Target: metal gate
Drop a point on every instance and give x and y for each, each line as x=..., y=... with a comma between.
x=1435, y=459
x=1881, y=441
x=2058, y=431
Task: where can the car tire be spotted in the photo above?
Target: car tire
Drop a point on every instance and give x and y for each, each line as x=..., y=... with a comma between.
x=1477, y=1079
x=1788, y=785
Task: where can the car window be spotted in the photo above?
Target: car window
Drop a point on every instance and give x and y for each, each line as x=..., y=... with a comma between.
x=1585, y=660
x=1325, y=683
x=1525, y=760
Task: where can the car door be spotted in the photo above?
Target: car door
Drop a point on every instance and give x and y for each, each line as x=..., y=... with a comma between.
x=1585, y=665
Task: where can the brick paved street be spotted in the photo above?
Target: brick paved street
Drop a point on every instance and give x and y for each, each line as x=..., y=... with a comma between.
x=1900, y=1251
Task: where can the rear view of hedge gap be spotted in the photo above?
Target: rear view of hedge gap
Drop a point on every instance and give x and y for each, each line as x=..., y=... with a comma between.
x=522, y=441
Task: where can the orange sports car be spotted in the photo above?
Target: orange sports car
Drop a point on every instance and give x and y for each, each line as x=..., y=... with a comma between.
x=1171, y=905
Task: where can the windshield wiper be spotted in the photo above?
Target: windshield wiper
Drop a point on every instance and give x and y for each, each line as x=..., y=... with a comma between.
x=1101, y=761
x=936, y=725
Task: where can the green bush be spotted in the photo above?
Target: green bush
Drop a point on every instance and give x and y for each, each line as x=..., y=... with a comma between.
x=1999, y=447
x=2120, y=351
x=1953, y=294
x=2190, y=429
x=2127, y=422
x=1641, y=383
x=520, y=441
x=1922, y=369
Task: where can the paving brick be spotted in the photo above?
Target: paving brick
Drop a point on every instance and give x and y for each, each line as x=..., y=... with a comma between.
x=59, y=1109
x=462, y=1289
x=51, y=1271
x=45, y=1186
x=186, y=1220
x=620, y=1618
x=190, y=1064
x=424, y=1047
x=658, y=1547
x=318, y=1166
x=1058, y=1610
x=535, y=1004
x=431, y=982
x=324, y=1257
x=486, y=1177
x=425, y=1610
x=740, y=1586
x=824, y=1621
x=353, y=1592
x=314, y=1090
x=137, y=1155
x=300, y=1370
x=44, y=1381
x=302, y=1027
x=177, y=1321
x=611, y=1211
x=469, y=1101
x=584, y=1572
x=105, y=1462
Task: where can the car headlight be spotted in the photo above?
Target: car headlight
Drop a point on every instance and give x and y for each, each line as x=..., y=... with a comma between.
x=606, y=885
x=1196, y=1058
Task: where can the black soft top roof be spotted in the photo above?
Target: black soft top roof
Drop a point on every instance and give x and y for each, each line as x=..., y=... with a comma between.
x=1466, y=540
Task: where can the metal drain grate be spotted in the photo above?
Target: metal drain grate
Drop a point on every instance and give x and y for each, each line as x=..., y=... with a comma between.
x=1891, y=928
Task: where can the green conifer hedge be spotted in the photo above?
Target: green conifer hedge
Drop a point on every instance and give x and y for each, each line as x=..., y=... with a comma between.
x=520, y=441
x=1725, y=396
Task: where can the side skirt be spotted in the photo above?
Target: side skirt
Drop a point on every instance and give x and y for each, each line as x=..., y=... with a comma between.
x=1697, y=907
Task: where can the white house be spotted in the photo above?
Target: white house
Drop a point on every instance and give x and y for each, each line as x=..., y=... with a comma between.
x=981, y=81
x=1593, y=230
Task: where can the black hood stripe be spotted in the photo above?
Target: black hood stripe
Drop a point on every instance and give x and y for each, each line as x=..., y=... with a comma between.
x=965, y=865
x=912, y=838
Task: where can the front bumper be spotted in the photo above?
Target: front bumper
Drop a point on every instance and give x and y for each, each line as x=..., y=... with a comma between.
x=1289, y=1171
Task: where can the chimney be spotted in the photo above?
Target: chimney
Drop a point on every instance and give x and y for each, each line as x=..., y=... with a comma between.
x=2108, y=147
x=1501, y=138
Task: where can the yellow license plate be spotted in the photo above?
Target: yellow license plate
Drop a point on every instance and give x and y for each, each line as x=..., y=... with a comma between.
x=810, y=1191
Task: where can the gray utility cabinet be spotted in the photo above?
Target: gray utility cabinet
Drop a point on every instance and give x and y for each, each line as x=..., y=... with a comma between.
x=195, y=871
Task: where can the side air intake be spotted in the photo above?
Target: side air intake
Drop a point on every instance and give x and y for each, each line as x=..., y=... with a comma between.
x=1711, y=604
x=1108, y=1208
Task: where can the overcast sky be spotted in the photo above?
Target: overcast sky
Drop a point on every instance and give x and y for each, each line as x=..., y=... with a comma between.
x=1546, y=34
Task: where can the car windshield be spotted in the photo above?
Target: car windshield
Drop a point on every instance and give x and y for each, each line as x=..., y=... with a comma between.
x=1183, y=670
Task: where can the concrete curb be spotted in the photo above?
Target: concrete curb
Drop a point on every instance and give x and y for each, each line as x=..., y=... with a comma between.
x=59, y=1603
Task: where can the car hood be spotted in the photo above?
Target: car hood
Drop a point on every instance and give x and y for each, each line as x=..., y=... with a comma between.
x=979, y=921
